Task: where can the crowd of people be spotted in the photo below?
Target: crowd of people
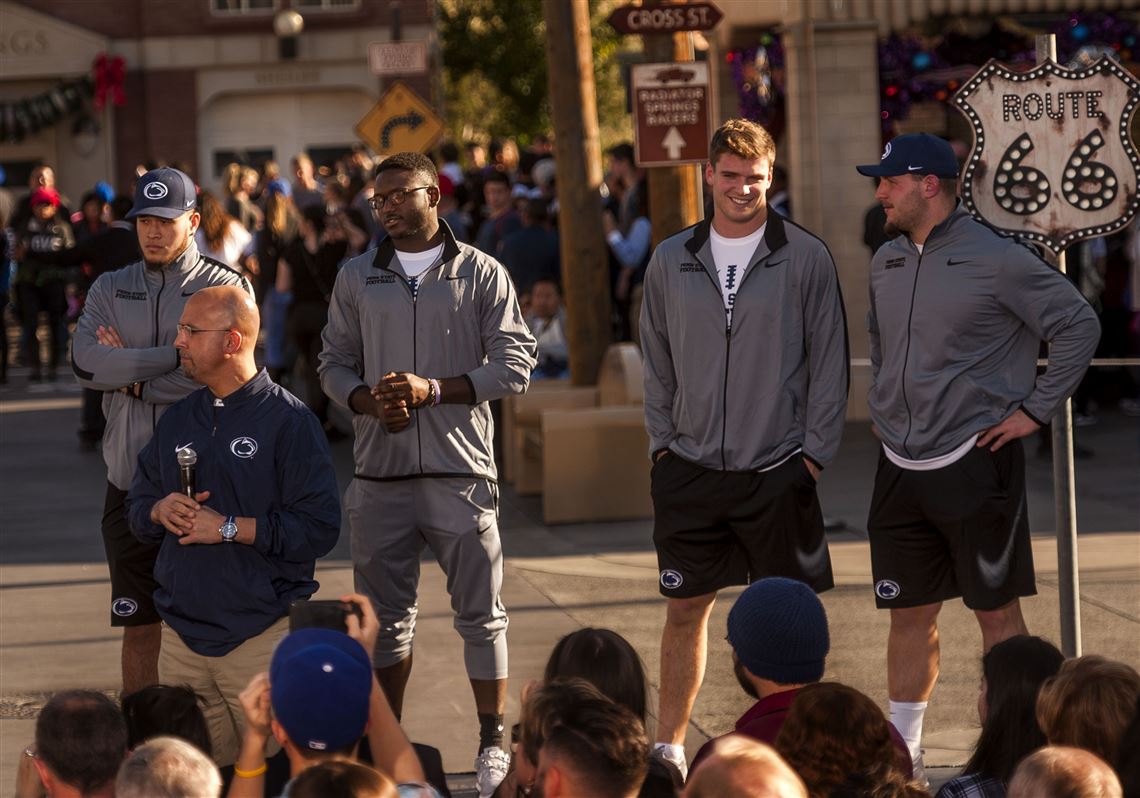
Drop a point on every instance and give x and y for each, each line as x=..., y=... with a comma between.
x=359, y=287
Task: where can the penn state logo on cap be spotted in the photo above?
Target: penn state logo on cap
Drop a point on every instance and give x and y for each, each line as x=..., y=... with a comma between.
x=155, y=190
x=671, y=580
x=887, y=589
x=165, y=192
x=886, y=152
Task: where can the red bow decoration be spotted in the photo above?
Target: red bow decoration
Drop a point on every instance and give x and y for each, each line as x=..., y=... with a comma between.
x=109, y=76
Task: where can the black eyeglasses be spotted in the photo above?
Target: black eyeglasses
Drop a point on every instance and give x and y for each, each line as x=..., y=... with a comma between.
x=186, y=328
x=397, y=197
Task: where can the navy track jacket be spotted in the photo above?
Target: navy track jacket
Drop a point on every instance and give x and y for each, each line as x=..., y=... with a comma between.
x=261, y=454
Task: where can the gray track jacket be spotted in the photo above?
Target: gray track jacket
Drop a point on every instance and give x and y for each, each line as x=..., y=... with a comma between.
x=955, y=334
x=778, y=382
x=465, y=320
x=144, y=306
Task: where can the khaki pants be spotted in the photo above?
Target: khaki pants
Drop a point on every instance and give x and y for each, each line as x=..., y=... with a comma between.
x=218, y=681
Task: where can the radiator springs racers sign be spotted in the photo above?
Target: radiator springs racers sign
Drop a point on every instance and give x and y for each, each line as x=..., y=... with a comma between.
x=1053, y=159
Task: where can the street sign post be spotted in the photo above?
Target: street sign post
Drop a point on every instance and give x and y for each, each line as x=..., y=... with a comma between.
x=665, y=18
x=670, y=112
x=389, y=59
x=401, y=121
x=1053, y=160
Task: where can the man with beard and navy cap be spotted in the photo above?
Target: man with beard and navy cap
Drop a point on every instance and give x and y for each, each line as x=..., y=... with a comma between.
x=124, y=346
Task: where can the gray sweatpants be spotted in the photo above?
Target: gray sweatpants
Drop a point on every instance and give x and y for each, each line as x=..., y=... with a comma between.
x=458, y=520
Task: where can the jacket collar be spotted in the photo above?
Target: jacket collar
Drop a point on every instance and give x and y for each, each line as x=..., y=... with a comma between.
x=189, y=257
x=775, y=237
x=258, y=385
x=385, y=257
x=776, y=703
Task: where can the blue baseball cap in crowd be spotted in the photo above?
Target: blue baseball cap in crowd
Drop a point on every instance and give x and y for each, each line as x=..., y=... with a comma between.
x=279, y=186
x=320, y=681
x=164, y=192
x=914, y=154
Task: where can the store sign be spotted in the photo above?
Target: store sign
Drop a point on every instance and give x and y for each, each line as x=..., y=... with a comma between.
x=1053, y=160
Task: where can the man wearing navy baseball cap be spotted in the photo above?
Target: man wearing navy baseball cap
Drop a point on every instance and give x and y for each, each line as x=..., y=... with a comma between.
x=958, y=313
x=124, y=346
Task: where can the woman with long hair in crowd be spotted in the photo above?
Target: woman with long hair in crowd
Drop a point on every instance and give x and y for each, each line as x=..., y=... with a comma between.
x=222, y=237
x=606, y=660
x=1089, y=704
x=839, y=741
x=240, y=183
x=274, y=287
x=1012, y=674
x=312, y=261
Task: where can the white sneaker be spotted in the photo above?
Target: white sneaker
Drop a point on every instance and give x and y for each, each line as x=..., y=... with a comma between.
x=491, y=768
x=920, y=769
x=672, y=760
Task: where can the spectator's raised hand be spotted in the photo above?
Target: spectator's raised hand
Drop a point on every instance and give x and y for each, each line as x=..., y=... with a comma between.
x=365, y=628
x=256, y=707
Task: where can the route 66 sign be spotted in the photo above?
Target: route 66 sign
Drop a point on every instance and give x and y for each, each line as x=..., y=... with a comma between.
x=1053, y=160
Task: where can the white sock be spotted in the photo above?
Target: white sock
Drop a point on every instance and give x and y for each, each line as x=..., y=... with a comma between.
x=674, y=753
x=907, y=718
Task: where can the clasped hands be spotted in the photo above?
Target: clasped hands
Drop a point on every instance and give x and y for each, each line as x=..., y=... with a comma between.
x=189, y=519
x=396, y=395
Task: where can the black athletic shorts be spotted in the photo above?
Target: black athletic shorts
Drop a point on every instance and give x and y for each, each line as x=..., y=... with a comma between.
x=131, y=564
x=713, y=529
x=961, y=530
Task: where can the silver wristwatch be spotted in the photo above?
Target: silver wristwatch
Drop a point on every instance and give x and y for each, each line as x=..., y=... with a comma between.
x=228, y=530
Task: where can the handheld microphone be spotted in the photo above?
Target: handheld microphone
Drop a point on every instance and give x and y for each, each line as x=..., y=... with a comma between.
x=187, y=466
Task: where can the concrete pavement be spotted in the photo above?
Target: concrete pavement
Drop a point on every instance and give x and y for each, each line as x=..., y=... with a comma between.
x=53, y=617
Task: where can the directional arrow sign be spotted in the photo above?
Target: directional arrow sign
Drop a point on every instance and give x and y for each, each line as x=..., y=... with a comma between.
x=401, y=121
x=670, y=113
x=673, y=142
x=665, y=18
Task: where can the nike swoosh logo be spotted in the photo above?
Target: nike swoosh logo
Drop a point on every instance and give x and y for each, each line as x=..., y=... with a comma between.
x=183, y=446
x=913, y=168
x=189, y=293
x=776, y=263
x=952, y=262
x=994, y=574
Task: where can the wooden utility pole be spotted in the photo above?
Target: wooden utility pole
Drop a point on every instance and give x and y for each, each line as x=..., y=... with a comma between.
x=674, y=201
x=585, y=263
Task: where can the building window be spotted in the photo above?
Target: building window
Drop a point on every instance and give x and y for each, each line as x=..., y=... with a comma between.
x=229, y=8
x=326, y=5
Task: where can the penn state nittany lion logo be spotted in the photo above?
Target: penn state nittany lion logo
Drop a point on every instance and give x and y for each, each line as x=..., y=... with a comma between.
x=887, y=589
x=243, y=447
x=671, y=580
x=155, y=190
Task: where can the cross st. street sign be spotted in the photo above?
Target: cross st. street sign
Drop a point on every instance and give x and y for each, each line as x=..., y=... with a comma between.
x=665, y=18
x=1053, y=160
x=401, y=121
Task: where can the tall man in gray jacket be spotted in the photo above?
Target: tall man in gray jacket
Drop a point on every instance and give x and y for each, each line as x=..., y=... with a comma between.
x=422, y=332
x=124, y=346
x=958, y=313
x=746, y=377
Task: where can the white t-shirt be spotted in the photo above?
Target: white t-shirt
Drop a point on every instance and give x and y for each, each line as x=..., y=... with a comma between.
x=236, y=242
x=932, y=463
x=416, y=263
x=731, y=257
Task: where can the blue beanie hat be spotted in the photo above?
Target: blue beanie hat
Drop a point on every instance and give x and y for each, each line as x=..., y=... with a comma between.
x=778, y=629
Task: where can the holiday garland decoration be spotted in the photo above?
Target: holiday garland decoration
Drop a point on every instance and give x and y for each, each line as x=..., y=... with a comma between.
x=914, y=69
x=27, y=117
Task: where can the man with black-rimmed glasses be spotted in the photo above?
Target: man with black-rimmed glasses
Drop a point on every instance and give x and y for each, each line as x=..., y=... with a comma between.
x=422, y=333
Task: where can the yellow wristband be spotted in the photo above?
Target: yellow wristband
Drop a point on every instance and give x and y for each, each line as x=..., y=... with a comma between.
x=250, y=774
